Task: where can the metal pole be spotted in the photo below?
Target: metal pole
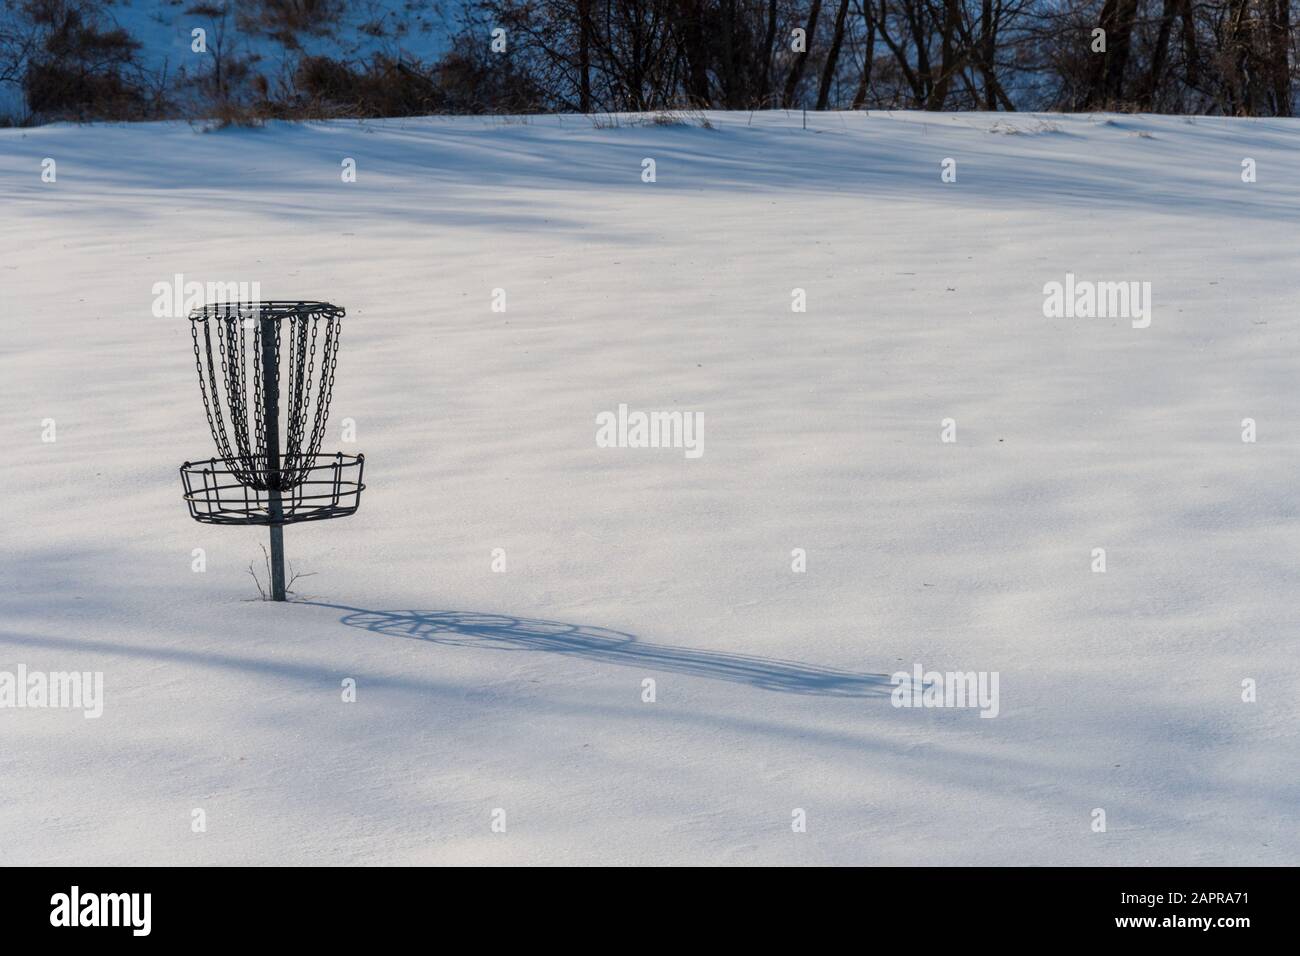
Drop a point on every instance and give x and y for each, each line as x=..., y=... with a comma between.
x=271, y=413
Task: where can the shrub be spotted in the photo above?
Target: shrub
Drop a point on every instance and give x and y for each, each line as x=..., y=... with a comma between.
x=384, y=87
x=283, y=17
x=79, y=70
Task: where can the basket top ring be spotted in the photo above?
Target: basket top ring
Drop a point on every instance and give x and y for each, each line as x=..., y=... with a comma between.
x=276, y=310
x=322, y=459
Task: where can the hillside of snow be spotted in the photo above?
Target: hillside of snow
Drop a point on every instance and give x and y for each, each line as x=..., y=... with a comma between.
x=250, y=41
x=359, y=29
x=518, y=695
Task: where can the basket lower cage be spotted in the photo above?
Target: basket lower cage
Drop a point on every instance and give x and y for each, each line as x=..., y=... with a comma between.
x=228, y=491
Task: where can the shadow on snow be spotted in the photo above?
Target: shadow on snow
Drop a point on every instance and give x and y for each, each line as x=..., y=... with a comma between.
x=506, y=633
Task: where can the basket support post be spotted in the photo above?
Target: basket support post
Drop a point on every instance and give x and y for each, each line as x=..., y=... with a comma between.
x=271, y=411
x=277, y=553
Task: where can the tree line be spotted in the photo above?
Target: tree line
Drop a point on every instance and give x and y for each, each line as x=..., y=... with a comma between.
x=70, y=59
x=1231, y=57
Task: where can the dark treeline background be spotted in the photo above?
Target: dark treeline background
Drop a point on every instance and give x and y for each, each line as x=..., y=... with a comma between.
x=1178, y=56
x=1230, y=57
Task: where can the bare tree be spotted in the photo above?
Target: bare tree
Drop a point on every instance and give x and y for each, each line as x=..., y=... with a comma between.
x=833, y=55
x=801, y=58
x=868, y=54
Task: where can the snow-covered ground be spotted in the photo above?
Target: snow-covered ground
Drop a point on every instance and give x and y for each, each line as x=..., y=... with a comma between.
x=356, y=32
x=522, y=690
x=360, y=29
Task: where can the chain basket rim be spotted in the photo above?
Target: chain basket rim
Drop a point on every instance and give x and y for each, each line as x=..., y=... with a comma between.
x=215, y=494
x=275, y=309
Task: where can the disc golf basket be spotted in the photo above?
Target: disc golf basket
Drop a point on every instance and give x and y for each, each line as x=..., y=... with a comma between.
x=268, y=423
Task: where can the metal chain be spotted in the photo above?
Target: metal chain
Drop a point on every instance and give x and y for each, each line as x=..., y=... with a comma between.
x=219, y=434
x=248, y=458
x=257, y=453
x=329, y=360
x=302, y=381
x=203, y=386
x=237, y=388
x=310, y=377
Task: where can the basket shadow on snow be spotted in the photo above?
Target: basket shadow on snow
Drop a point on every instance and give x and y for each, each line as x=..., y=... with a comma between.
x=504, y=632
